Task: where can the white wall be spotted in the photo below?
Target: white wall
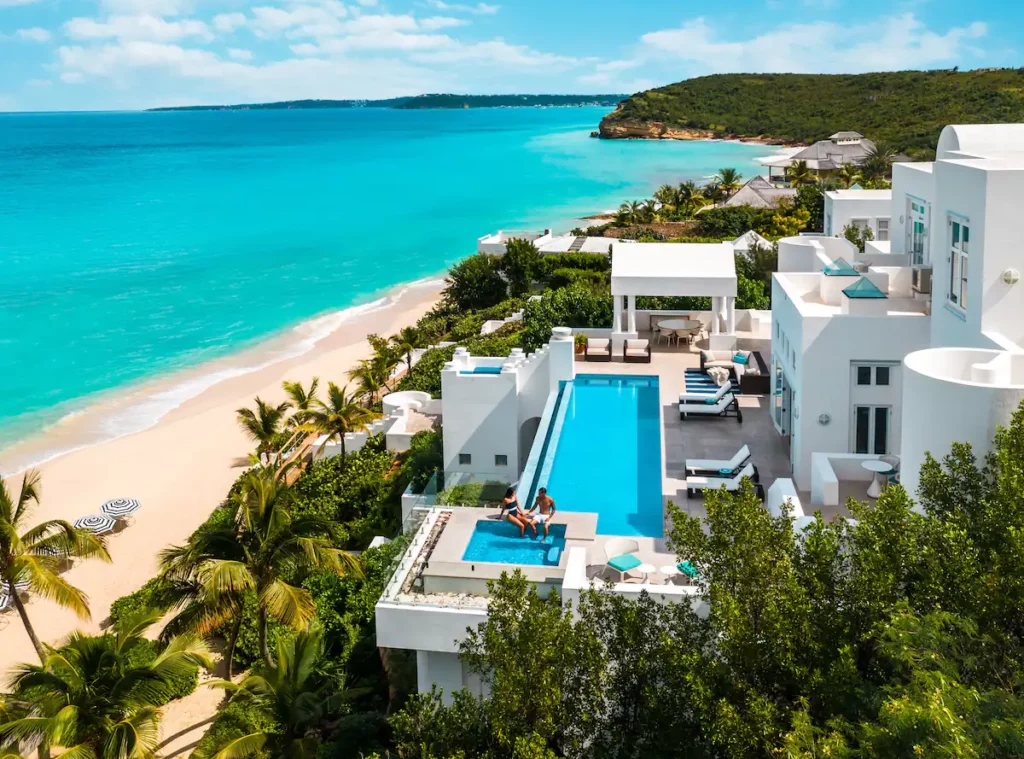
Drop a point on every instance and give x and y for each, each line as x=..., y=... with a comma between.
x=839, y=212
x=908, y=179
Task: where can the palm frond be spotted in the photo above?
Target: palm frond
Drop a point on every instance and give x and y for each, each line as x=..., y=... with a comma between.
x=247, y=745
x=288, y=604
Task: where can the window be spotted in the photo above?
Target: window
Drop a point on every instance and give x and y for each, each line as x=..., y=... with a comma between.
x=959, y=248
x=882, y=375
x=465, y=459
x=871, y=429
x=863, y=375
x=501, y=460
x=883, y=229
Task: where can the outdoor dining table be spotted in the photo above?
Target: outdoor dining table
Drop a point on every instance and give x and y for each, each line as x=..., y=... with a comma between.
x=880, y=471
x=682, y=327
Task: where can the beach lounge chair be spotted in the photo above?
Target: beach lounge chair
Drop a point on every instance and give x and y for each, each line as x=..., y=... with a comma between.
x=727, y=405
x=702, y=482
x=693, y=397
x=597, y=349
x=621, y=556
x=636, y=351
x=715, y=467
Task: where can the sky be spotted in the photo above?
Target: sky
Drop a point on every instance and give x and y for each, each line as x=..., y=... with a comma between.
x=133, y=54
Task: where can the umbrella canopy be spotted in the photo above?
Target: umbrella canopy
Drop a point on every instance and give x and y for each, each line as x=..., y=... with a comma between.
x=5, y=601
x=22, y=585
x=95, y=523
x=120, y=507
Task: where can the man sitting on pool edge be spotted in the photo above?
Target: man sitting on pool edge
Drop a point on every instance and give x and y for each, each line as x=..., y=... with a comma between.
x=543, y=510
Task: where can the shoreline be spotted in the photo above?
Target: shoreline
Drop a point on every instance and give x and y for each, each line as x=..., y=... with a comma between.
x=118, y=412
x=180, y=469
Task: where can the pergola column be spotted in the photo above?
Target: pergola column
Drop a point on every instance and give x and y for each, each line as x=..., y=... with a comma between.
x=631, y=312
x=617, y=313
x=716, y=311
x=730, y=315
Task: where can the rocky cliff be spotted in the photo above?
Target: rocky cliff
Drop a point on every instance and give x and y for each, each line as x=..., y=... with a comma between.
x=614, y=129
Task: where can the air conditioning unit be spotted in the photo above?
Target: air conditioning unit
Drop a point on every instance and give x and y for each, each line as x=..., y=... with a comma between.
x=921, y=279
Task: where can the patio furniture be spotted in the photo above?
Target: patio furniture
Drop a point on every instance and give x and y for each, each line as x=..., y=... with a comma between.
x=97, y=524
x=597, y=349
x=692, y=397
x=621, y=556
x=750, y=370
x=677, y=326
x=719, y=375
x=120, y=508
x=880, y=471
x=646, y=570
x=636, y=351
x=671, y=572
x=702, y=482
x=714, y=467
x=727, y=405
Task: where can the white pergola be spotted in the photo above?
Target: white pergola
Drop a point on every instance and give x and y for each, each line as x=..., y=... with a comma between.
x=674, y=269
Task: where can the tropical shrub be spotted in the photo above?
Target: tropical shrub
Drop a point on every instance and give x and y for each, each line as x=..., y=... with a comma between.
x=564, y=277
x=573, y=306
x=144, y=653
x=474, y=283
x=233, y=721
x=424, y=458
x=427, y=377
x=579, y=261
x=520, y=266
x=729, y=222
x=344, y=491
x=811, y=198
x=150, y=597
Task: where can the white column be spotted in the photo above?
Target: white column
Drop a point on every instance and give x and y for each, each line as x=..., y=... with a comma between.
x=730, y=315
x=631, y=311
x=716, y=320
x=616, y=313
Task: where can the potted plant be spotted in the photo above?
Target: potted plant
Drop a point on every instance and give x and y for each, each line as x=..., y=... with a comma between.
x=581, y=343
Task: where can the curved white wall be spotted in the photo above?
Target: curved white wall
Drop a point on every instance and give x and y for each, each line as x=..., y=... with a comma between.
x=955, y=395
x=979, y=140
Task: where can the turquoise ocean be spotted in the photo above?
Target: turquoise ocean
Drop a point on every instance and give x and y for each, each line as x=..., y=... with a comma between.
x=133, y=245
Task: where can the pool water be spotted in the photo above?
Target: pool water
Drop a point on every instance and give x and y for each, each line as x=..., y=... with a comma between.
x=604, y=453
x=500, y=543
x=484, y=370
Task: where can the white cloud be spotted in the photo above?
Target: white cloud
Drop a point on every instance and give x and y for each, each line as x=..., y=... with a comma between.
x=238, y=54
x=72, y=77
x=385, y=39
x=496, y=51
x=896, y=42
x=151, y=7
x=480, y=9
x=35, y=34
x=228, y=22
x=39, y=82
x=143, y=27
x=441, y=22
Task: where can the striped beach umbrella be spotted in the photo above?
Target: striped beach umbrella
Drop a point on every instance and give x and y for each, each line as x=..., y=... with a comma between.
x=120, y=507
x=22, y=585
x=5, y=601
x=95, y=523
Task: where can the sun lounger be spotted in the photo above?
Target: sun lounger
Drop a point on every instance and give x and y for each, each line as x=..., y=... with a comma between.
x=714, y=467
x=692, y=397
x=727, y=405
x=702, y=482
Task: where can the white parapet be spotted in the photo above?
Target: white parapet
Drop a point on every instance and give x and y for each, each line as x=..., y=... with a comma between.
x=956, y=395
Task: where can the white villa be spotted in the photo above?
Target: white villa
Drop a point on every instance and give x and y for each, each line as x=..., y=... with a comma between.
x=867, y=361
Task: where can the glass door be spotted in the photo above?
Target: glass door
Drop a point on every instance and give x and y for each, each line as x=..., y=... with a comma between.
x=871, y=429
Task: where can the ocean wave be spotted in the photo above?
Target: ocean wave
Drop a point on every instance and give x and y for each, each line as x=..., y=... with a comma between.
x=134, y=416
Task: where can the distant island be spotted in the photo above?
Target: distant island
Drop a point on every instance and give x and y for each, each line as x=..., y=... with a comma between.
x=422, y=102
x=906, y=109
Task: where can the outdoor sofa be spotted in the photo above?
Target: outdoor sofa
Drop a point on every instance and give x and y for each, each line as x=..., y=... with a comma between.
x=636, y=351
x=750, y=370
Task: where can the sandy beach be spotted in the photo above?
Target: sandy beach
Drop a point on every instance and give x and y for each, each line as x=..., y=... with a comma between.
x=180, y=469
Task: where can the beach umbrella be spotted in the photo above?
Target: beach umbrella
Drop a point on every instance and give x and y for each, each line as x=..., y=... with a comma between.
x=22, y=585
x=47, y=550
x=5, y=601
x=120, y=507
x=95, y=523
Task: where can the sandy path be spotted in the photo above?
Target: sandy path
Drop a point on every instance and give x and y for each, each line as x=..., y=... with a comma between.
x=180, y=470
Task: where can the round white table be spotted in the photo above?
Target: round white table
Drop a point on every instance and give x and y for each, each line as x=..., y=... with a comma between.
x=880, y=471
x=671, y=572
x=679, y=324
x=646, y=569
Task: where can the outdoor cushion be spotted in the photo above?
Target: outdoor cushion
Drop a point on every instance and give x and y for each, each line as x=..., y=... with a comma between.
x=625, y=562
x=598, y=343
x=687, y=569
x=738, y=359
x=636, y=345
x=711, y=401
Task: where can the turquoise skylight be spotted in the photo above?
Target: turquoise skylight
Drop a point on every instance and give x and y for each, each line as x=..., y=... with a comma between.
x=840, y=268
x=863, y=288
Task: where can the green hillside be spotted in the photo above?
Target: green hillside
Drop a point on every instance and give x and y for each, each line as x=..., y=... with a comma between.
x=906, y=108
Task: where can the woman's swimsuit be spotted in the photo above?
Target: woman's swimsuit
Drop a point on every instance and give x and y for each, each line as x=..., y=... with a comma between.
x=512, y=508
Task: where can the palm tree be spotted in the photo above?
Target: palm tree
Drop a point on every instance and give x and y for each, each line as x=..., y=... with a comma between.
x=799, y=173
x=33, y=555
x=294, y=693
x=302, y=400
x=878, y=161
x=90, y=698
x=339, y=415
x=650, y=211
x=729, y=180
x=263, y=424
x=371, y=374
x=849, y=175
x=667, y=196
x=406, y=341
x=691, y=197
x=263, y=543
x=713, y=192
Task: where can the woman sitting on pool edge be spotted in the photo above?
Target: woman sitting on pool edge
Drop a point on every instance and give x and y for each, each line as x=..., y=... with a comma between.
x=511, y=511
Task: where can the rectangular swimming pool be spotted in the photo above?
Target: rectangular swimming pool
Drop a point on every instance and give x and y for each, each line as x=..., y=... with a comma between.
x=604, y=453
x=500, y=543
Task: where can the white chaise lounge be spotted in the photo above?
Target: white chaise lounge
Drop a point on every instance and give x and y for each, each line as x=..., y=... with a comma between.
x=714, y=467
x=702, y=482
x=703, y=397
x=727, y=405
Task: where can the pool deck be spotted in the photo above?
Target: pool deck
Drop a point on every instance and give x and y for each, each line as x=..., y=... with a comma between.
x=701, y=438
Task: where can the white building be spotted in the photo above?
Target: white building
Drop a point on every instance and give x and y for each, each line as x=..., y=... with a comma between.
x=865, y=209
x=935, y=355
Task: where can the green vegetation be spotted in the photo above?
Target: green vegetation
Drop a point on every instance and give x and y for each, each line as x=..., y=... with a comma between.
x=898, y=635
x=419, y=102
x=907, y=109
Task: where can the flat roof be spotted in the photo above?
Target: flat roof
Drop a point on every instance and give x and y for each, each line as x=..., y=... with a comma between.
x=859, y=194
x=673, y=269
